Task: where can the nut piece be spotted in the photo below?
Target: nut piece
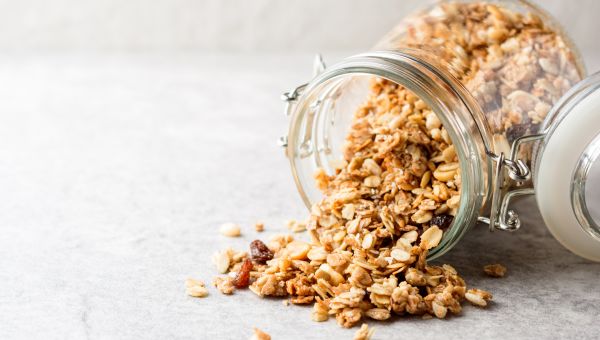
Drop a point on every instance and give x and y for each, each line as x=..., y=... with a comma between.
x=364, y=333
x=260, y=335
x=478, y=297
x=230, y=230
x=195, y=288
x=495, y=270
x=431, y=237
x=222, y=261
x=259, y=227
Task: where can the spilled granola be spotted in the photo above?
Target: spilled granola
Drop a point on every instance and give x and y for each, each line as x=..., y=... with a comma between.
x=399, y=186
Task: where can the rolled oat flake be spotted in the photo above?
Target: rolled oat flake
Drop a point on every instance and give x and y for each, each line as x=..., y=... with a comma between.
x=463, y=107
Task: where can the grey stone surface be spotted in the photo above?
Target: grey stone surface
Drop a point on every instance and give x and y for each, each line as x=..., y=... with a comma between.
x=115, y=173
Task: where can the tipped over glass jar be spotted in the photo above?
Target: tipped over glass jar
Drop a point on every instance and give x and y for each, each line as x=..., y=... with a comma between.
x=491, y=92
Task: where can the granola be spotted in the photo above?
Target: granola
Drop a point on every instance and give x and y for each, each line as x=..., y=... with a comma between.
x=495, y=270
x=364, y=333
x=195, y=288
x=230, y=230
x=398, y=188
x=515, y=64
x=260, y=335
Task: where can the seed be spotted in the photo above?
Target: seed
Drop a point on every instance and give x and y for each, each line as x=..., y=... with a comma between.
x=425, y=179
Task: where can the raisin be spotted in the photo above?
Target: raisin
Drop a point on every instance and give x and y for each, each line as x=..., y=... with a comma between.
x=442, y=221
x=260, y=252
x=242, y=279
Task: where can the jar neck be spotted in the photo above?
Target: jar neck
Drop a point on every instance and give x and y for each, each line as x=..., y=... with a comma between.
x=309, y=146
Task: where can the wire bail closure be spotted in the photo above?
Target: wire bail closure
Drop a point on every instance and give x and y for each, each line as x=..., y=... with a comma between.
x=501, y=218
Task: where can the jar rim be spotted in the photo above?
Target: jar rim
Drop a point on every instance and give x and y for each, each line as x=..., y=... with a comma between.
x=444, y=94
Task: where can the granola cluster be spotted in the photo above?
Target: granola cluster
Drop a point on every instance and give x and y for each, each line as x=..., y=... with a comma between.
x=398, y=189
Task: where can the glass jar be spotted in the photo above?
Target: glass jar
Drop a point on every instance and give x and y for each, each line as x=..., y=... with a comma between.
x=496, y=75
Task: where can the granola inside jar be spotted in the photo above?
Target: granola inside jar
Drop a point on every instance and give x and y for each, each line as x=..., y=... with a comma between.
x=512, y=57
x=421, y=131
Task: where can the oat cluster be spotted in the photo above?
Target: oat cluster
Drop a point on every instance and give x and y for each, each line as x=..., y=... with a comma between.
x=398, y=188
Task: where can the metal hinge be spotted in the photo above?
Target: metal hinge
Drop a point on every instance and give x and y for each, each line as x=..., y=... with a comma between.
x=501, y=218
x=290, y=97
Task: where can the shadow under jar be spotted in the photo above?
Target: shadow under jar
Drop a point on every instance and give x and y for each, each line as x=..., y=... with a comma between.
x=495, y=87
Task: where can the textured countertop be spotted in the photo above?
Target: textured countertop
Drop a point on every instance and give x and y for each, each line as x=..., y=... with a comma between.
x=116, y=171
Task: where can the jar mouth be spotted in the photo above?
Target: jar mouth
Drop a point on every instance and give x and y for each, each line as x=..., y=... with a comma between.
x=309, y=147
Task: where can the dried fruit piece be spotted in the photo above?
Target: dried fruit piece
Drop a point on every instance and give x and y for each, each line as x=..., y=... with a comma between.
x=260, y=252
x=242, y=279
x=443, y=221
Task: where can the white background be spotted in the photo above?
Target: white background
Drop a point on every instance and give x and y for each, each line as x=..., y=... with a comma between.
x=229, y=25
